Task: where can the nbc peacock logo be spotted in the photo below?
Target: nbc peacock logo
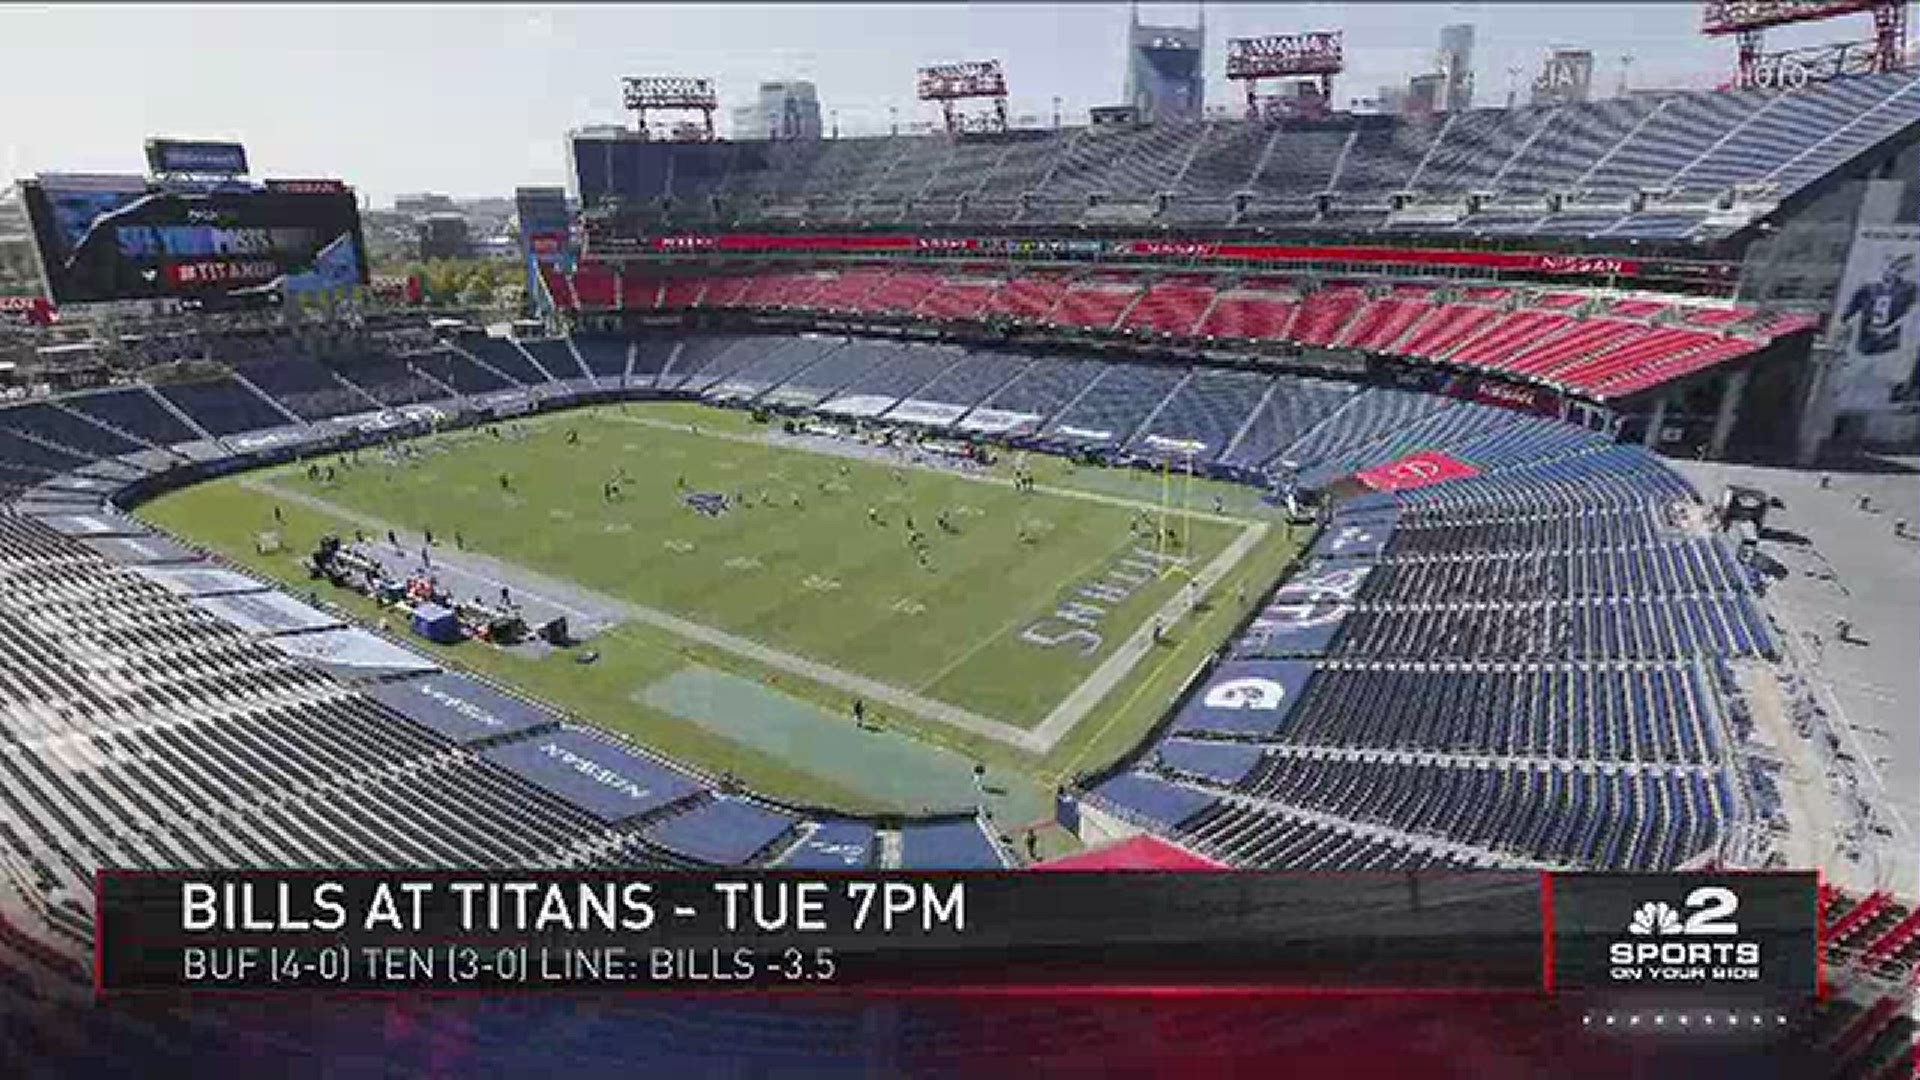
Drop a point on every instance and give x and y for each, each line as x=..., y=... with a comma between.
x=1655, y=917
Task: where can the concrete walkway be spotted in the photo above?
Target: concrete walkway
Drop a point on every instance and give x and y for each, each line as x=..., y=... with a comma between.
x=1844, y=562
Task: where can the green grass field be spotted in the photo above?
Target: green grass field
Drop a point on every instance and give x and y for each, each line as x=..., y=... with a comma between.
x=797, y=564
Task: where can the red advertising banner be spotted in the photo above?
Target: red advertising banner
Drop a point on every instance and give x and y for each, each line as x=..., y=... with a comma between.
x=32, y=310
x=1416, y=470
x=1492, y=260
x=1536, y=262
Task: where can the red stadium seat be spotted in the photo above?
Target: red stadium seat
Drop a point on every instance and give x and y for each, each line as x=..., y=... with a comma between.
x=1636, y=309
x=1447, y=327
x=1324, y=313
x=1383, y=322
x=726, y=291
x=1029, y=298
x=957, y=298
x=595, y=285
x=639, y=291
x=1718, y=316
x=1249, y=315
x=560, y=289
x=1095, y=306
x=849, y=290
x=1170, y=308
x=1583, y=340
x=680, y=293
x=902, y=291
x=1515, y=331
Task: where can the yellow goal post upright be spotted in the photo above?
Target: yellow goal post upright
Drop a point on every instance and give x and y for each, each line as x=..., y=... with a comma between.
x=1176, y=500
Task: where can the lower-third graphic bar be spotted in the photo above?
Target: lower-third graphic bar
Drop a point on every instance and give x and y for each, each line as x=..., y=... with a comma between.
x=360, y=931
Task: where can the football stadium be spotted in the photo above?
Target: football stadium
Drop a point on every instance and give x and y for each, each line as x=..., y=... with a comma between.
x=1309, y=489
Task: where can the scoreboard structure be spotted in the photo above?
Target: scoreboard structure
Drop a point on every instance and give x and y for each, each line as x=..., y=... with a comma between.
x=104, y=239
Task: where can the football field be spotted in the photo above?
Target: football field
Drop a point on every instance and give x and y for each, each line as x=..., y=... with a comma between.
x=960, y=608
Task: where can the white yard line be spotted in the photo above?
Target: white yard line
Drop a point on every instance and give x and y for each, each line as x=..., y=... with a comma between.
x=537, y=586
x=1058, y=723
x=1094, y=688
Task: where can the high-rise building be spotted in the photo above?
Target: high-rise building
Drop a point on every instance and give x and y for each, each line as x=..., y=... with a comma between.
x=1456, y=67
x=785, y=110
x=1425, y=95
x=1166, y=77
x=1566, y=77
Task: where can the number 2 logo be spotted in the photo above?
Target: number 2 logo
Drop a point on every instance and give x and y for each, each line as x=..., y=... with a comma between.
x=1713, y=907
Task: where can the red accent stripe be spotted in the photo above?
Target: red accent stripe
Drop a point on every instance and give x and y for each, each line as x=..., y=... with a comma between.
x=99, y=950
x=875, y=990
x=1546, y=931
x=1819, y=934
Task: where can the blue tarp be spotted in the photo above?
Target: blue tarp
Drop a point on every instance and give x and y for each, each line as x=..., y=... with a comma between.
x=835, y=845
x=1228, y=763
x=1325, y=583
x=435, y=623
x=462, y=709
x=1347, y=538
x=948, y=845
x=610, y=783
x=725, y=832
x=1245, y=697
x=1153, y=799
x=1292, y=630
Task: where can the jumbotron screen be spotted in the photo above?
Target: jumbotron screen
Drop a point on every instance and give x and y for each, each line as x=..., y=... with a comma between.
x=106, y=241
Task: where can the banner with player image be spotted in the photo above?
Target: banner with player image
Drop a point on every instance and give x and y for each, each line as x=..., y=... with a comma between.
x=105, y=239
x=1876, y=320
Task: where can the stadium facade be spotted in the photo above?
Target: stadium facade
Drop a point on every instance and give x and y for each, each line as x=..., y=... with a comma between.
x=1704, y=195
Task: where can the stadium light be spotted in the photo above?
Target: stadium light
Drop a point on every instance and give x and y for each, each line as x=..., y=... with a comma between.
x=640, y=93
x=1747, y=20
x=950, y=83
x=1316, y=54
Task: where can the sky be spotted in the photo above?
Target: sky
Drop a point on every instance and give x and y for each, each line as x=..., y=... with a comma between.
x=474, y=100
